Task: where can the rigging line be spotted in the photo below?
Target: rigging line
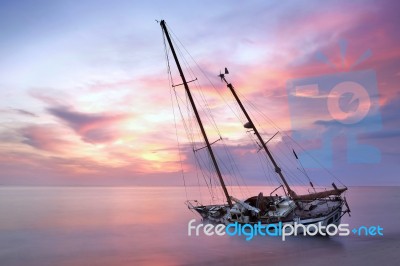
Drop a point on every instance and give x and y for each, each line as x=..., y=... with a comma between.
x=192, y=144
x=210, y=82
x=209, y=171
x=179, y=148
x=200, y=91
x=207, y=108
x=282, y=162
x=272, y=172
x=185, y=49
x=205, y=173
x=193, y=130
x=261, y=113
x=198, y=166
x=190, y=119
x=250, y=134
x=298, y=159
x=194, y=134
x=255, y=108
x=234, y=166
x=252, y=106
x=288, y=171
x=209, y=186
x=303, y=171
x=210, y=117
x=305, y=151
x=181, y=45
x=186, y=126
x=191, y=136
x=206, y=76
x=271, y=168
x=231, y=173
x=173, y=111
x=208, y=113
x=267, y=177
x=288, y=159
x=198, y=183
x=315, y=160
x=262, y=162
x=207, y=105
x=199, y=158
x=294, y=178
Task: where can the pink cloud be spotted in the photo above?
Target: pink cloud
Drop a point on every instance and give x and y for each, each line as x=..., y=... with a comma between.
x=290, y=46
x=91, y=127
x=45, y=138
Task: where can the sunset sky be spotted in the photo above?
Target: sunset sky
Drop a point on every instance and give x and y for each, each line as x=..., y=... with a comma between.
x=85, y=98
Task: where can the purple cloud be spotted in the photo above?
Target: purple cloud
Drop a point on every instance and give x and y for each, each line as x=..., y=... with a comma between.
x=91, y=127
x=45, y=138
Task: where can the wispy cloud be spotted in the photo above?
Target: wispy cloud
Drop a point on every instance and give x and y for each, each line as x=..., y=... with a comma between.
x=18, y=112
x=92, y=127
x=44, y=137
x=95, y=102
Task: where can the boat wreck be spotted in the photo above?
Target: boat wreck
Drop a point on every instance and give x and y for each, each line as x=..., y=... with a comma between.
x=324, y=207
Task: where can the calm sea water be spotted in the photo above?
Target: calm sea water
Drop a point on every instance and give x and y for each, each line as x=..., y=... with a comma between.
x=148, y=226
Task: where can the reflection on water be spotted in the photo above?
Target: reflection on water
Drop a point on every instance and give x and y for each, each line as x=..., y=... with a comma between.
x=148, y=226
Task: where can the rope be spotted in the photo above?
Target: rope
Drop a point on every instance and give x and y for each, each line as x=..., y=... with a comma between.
x=173, y=111
x=295, y=142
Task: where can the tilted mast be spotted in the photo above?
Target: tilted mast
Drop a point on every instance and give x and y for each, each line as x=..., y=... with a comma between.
x=250, y=124
x=278, y=170
x=203, y=132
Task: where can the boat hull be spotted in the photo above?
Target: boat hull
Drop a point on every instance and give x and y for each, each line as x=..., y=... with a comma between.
x=323, y=218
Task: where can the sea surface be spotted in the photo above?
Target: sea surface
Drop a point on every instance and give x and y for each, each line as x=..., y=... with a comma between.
x=148, y=226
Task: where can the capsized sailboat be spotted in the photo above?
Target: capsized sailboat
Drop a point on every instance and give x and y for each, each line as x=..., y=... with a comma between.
x=324, y=207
